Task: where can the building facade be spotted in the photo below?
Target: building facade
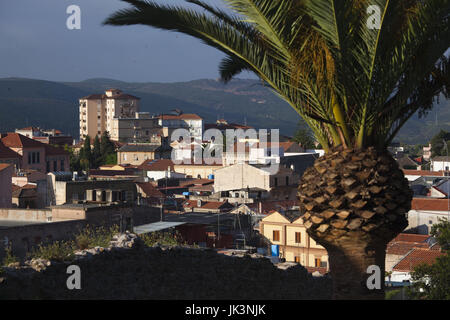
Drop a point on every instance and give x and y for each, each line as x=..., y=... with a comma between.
x=35, y=155
x=293, y=241
x=141, y=128
x=191, y=122
x=97, y=111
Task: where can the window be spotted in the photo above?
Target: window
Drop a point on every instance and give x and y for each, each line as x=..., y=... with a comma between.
x=33, y=157
x=276, y=235
x=297, y=259
x=62, y=165
x=38, y=160
x=298, y=237
x=287, y=180
x=275, y=182
x=29, y=157
x=48, y=166
x=317, y=262
x=55, y=165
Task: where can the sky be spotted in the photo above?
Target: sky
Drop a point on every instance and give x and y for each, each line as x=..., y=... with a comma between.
x=36, y=43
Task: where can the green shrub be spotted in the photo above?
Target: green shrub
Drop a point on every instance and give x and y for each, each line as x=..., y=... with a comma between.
x=392, y=293
x=162, y=238
x=56, y=251
x=91, y=237
x=9, y=258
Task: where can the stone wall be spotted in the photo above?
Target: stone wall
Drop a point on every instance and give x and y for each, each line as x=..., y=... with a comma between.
x=163, y=273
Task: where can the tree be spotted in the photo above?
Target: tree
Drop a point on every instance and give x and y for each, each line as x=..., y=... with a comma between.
x=85, y=155
x=355, y=83
x=97, y=157
x=433, y=281
x=437, y=143
x=304, y=137
x=106, y=145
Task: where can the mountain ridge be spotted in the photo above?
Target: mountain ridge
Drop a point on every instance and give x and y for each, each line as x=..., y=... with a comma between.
x=50, y=104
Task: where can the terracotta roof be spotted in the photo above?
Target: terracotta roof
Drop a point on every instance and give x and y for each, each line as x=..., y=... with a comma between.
x=196, y=182
x=423, y=173
x=183, y=116
x=269, y=206
x=3, y=166
x=6, y=153
x=202, y=188
x=15, y=140
x=157, y=165
x=429, y=204
x=416, y=257
x=27, y=190
x=150, y=190
x=401, y=247
x=409, y=237
x=212, y=205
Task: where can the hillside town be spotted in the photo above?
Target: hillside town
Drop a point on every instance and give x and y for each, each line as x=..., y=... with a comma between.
x=127, y=169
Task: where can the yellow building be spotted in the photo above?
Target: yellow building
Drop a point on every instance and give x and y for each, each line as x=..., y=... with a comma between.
x=294, y=243
x=97, y=111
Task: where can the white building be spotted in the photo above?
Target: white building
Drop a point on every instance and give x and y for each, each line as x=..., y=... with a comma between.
x=440, y=163
x=192, y=122
x=427, y=211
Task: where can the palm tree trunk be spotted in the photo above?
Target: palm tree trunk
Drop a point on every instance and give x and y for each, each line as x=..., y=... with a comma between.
x=349, y=263
x=353, y=203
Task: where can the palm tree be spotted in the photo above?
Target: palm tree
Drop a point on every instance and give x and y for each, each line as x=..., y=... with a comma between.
x=354, y=82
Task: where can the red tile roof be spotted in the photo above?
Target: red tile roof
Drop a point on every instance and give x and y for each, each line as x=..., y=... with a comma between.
x=416, y=257
x=424, y=173
x=150, y=190
x=401, y=247
x=15, y=140
x=196, y=182
x=269, y=206
x=6, y=153
x=429, y=204
x=405, y=242
x=157, y=165
x=3, y=166
x=212, y=205
x=184, y=116
x=409, y=237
